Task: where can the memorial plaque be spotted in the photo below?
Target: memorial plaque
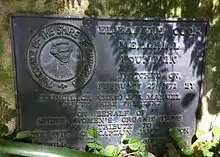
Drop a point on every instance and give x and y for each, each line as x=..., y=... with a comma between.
x=142, y=76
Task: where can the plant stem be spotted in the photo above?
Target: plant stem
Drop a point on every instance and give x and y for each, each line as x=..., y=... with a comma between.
x=34, y=150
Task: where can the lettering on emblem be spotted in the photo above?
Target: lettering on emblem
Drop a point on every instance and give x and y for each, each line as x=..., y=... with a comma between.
x=61, y=58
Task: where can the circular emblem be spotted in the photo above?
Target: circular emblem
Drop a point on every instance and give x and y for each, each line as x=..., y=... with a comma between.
x=61, y=58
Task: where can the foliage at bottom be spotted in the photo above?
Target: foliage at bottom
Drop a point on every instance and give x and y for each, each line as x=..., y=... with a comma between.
x=19, y=143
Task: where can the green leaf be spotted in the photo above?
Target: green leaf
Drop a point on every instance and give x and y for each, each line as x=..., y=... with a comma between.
x=92, y=133
x=142, y=148
x=91, y=144
x=102, y=151
x=118, y=149
x=32, y=150
x=216, y=131
x=23, y=134
x=181, y=143
x=96, y=151
x=188, y=150
x=142, y=154
x=9, y=136
x=94, y=144
x=124, y=137
x=207, y=153
x=134, y=143
x=3, y=130
x=198, y=153
x=110, y=150
x=175, y=133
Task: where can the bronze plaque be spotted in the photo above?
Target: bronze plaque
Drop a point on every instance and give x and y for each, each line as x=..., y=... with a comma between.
x=142, y=76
